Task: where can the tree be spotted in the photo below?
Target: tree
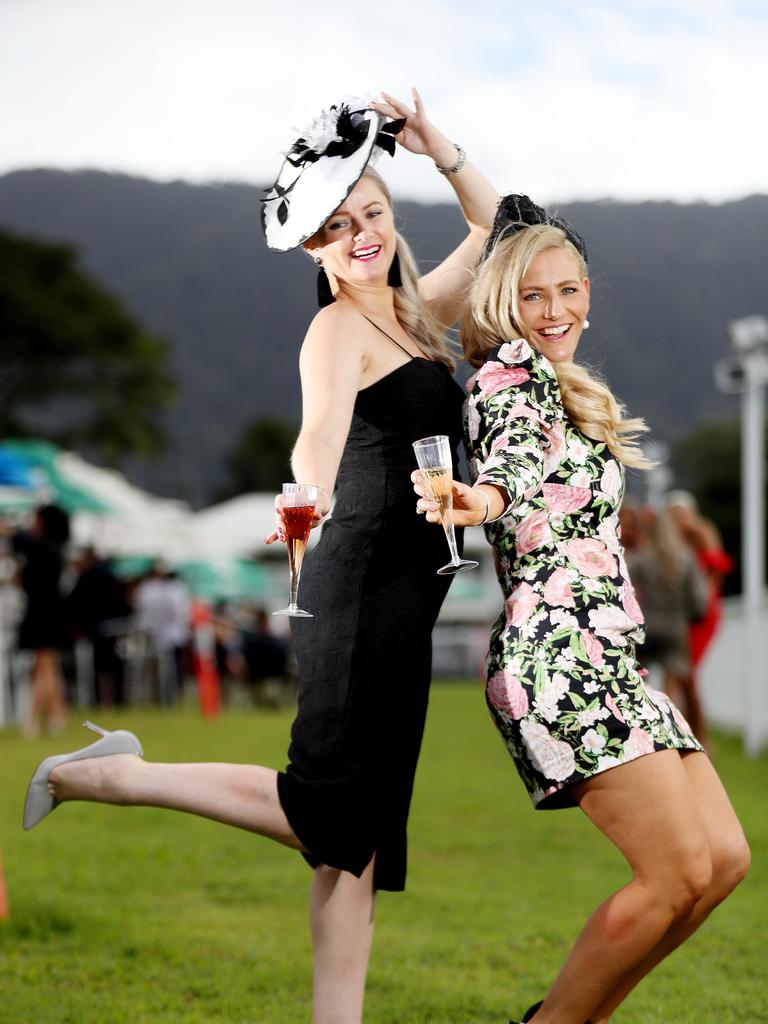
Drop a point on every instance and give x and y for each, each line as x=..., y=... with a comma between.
x=72, y=358
x=707, y=462
x=261, y=458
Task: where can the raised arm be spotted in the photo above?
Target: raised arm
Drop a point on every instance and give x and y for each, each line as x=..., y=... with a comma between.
x=445, y=287
x=331, y=366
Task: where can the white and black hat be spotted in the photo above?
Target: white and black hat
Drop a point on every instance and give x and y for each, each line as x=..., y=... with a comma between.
x=321, y=168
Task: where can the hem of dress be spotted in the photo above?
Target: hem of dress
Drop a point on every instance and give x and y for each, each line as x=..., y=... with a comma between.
x=562, y=798
x=314, y=857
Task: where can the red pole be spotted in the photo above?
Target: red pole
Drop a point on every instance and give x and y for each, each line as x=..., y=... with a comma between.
x=204, y=659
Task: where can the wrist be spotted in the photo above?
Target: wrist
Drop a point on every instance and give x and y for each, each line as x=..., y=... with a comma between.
x=486, y=510
x=454, y=163
x=443, y=151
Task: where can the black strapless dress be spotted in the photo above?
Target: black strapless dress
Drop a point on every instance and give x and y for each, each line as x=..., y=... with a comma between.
x=365, y=658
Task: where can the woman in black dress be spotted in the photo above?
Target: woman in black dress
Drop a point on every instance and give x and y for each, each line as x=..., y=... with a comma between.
x=43, y=628
x=376, y=376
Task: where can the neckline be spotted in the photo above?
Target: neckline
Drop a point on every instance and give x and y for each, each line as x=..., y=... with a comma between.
x=397, y=369
x=401, y=347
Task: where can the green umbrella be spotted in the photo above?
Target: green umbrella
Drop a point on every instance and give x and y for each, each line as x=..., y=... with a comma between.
x=224, y=579
x=50, y=484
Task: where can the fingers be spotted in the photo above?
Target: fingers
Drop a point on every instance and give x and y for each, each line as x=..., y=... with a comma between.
x=425, y=505
x=417, y=102
x=401, y=109
x=279, y=531
x=419, y=486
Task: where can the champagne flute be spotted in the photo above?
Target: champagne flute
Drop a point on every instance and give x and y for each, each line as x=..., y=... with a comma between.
x=433, y=455
x=298, y=512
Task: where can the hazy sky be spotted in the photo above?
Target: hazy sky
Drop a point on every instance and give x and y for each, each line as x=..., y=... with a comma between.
x=581, y=99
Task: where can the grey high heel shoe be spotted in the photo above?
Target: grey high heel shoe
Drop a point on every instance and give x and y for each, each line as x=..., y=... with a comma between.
x=39, y=801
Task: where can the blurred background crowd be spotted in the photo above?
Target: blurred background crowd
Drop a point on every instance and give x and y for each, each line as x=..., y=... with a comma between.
x=76, y=630
x=81, y=628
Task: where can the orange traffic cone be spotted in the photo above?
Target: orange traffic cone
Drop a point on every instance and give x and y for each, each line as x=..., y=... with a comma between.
x=204, y=659
x=4, y=909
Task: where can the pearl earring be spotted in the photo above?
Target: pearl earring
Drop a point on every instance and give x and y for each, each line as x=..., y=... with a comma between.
x=586, y=325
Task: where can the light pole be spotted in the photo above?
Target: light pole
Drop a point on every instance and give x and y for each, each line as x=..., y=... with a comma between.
x=746, y=373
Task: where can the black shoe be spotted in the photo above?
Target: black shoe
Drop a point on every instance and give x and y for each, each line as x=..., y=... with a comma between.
x=530, y=1012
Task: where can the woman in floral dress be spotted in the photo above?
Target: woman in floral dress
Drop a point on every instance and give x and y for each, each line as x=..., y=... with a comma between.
x=548, y=445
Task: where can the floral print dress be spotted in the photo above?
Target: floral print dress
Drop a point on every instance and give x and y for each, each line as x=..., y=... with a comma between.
x=563, y=685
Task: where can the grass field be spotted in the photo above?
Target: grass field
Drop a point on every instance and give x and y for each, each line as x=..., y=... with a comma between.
x=149, y=917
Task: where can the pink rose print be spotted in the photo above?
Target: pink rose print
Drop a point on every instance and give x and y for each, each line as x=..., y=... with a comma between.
x=612, y=623
x=593, y=647
x=471, y=382
x=473, y=420
x=507, y=695
x=532, y=532
x=591, y=557
x=662, y=700
x=500, y=444
x=557, y=589
x=610, y=482
x=553, y=454
x=629, y=603
x=520, y=604
x=640, y=742
x=553, y=758
x=493, y=377
x=515, y=351
x=613, y=707
x=564, y=498
x=521, y=411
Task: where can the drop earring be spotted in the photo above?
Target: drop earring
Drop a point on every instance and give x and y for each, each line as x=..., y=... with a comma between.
x=394, y=277
x=325, y=296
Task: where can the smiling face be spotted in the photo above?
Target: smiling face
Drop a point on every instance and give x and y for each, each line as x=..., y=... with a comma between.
x=553, y=300
x=357, y=243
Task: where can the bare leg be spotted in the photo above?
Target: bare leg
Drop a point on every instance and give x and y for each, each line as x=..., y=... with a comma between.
x=242, y=795
x=730, y=860
x=57, y=706
x=47, y=705
x=647, y=809
x=341, y=918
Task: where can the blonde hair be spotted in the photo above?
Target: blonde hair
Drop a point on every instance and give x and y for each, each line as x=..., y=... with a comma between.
x=493, y=315
x=412, y=312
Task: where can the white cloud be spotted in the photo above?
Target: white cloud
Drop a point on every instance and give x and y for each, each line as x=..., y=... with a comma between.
x=599, y=99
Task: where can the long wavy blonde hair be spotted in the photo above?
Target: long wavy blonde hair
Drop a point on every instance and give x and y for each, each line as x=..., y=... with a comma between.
x=412, y=312
x=493, y=315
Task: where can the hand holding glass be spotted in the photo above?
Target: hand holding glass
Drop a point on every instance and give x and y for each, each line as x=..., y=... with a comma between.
x=433, y=454
x=298, y=512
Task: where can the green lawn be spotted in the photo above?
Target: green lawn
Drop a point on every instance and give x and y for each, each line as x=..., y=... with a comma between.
x=148, y=917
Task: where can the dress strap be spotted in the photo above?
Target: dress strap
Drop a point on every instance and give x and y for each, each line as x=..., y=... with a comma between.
x=410, y=356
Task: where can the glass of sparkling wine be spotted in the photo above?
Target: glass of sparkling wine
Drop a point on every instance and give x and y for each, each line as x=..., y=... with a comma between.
x=433, y=455
x=298, y=511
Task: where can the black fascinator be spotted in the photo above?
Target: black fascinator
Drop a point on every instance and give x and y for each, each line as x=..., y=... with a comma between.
x=517, y=212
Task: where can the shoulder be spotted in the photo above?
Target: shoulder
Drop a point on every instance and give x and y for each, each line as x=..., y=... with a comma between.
x=337, y=331
x=516, y=373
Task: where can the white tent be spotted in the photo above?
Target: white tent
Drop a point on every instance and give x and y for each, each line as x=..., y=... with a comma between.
x=138, y=523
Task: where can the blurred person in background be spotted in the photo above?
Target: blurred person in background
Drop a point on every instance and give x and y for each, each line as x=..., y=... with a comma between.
x=163, y=608
x=44, y=628
x=673, y=593
x=100, y=613
x=265, y=654
x=704, y=539
x=376, y=373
